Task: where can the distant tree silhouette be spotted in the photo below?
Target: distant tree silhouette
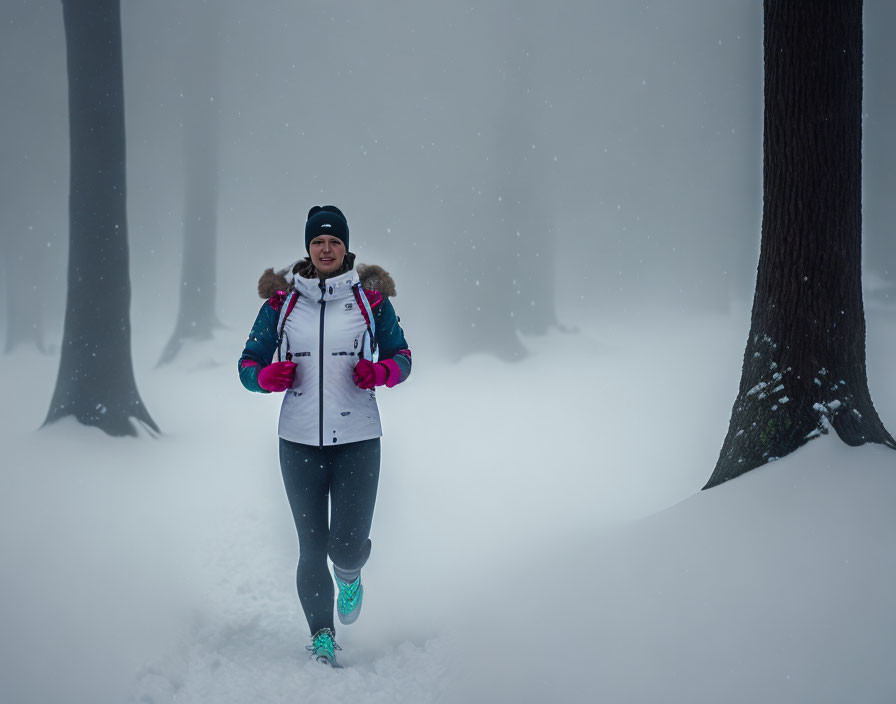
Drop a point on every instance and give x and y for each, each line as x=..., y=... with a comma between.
x=24, y=308
x=524, y=182
x=879, y=208
x=96, y=378
x=804, y=363
x=196, y=318
x=28, y=221
x=484, y=293
x=503, y=240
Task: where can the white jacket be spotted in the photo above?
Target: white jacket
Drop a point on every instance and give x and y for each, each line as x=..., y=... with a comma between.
x=324, y=334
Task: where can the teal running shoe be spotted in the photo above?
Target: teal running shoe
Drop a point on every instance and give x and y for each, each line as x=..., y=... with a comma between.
x=348, y=603
x=323, y=647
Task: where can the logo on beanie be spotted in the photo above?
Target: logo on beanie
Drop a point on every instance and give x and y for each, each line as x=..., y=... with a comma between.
x=326, y=224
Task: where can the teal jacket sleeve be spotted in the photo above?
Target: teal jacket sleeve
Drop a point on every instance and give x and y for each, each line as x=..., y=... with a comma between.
x=393, y=348
x=260, y=347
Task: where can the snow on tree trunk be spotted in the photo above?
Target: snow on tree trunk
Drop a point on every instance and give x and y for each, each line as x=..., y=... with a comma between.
x=804, y=363
x=96, y=379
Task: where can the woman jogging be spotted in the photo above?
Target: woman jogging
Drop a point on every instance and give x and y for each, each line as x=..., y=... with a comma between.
x=335, y=337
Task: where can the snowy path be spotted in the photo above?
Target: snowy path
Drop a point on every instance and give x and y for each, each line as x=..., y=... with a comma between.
x=246, y=644
x=246, y=636
x=163, y=571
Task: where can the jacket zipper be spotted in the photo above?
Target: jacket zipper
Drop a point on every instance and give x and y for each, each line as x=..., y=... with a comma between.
x=323, y=306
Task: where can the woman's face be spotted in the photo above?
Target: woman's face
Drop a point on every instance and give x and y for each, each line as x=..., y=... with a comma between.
x=327, y=253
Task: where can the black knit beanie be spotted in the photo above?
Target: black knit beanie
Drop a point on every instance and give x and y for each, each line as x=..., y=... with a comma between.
x=326, y=220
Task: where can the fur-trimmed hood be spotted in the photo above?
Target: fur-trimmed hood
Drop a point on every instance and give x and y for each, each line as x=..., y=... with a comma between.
x=373, y=278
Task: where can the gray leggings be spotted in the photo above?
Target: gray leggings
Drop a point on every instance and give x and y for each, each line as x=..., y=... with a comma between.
x=345, y=476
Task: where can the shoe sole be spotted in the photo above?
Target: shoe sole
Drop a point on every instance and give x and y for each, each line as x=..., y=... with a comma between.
x=349, y=619
x=325, y=660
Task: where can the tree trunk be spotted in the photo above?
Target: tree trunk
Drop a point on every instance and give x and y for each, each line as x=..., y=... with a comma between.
x=804, y=363
x=24, y=305
x=96, y=379
x=880, y=178
x=196, y=318
x=523, y=180
x=483, y=302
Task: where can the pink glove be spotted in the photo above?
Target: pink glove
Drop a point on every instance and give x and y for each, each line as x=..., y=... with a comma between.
x=367, y=374
x=277, y=376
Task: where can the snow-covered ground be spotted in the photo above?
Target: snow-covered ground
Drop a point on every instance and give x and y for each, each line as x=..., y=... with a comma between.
x=539, y=536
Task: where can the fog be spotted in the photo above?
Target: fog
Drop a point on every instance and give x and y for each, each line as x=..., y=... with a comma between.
x=568, y=196
x=620, y=140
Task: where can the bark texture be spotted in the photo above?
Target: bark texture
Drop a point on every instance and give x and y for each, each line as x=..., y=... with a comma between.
x=96, y=378
x=804, y=363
